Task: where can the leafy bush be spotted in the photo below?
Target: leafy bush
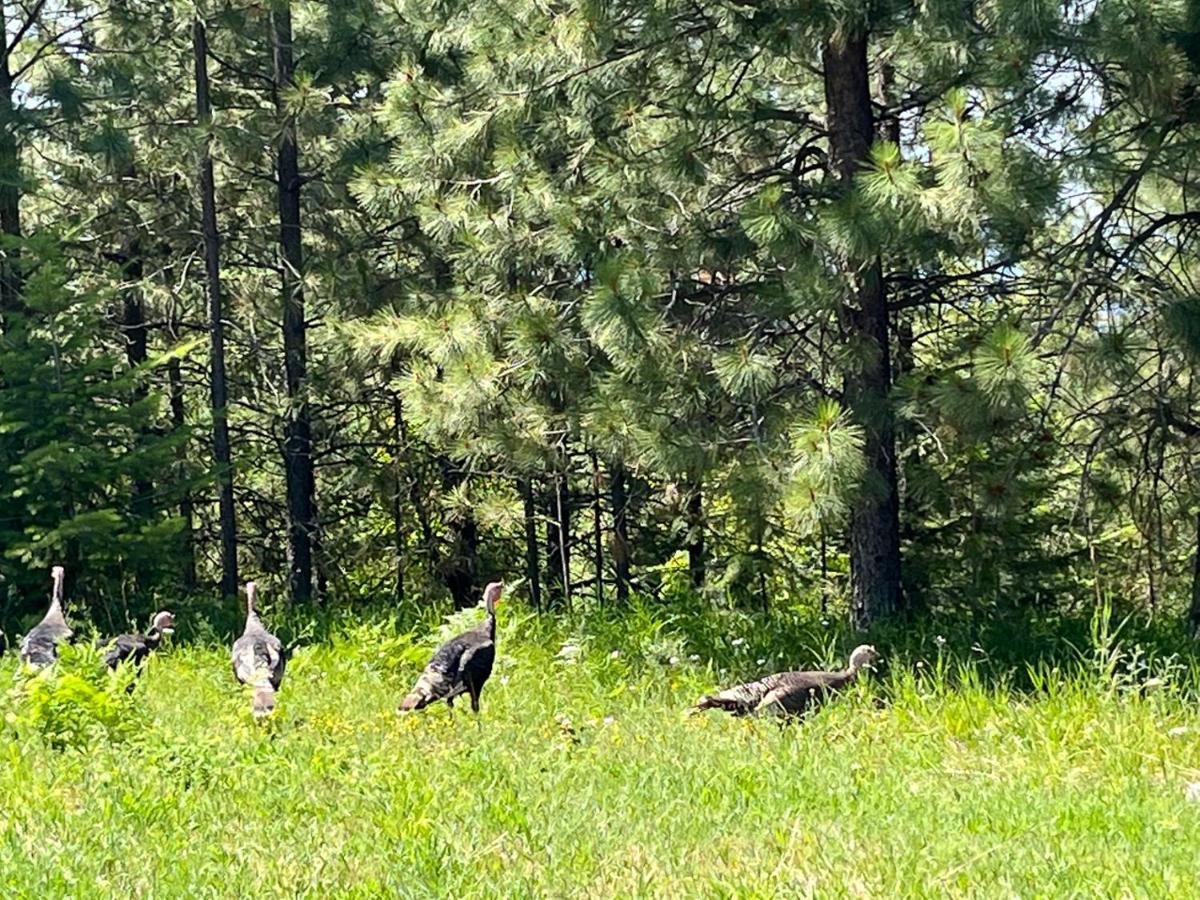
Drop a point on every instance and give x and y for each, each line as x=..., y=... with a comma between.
x=77, y=702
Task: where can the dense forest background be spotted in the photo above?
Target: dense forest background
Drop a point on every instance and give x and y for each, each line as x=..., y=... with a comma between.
x=878, y=309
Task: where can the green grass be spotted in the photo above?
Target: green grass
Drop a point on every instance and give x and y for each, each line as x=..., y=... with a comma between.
x=586, y=779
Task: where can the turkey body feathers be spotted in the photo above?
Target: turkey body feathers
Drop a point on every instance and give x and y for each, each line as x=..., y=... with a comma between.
x=258, y=657
x=786, y=692
x=129, y=648
x=462, y=665
x=40, y=646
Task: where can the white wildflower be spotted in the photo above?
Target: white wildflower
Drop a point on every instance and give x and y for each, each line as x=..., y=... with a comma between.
x=1177, y=731
x=608, y=720
x=940, y=641
x=504, y=679
x=737, y=642
x=695, y=657
x=616, y=654
x=1192, y=791
x=568, y=651
x=673, y=661
x=762, y=661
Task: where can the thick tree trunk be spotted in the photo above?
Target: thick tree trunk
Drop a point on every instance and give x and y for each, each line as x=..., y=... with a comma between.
x=10, y=186
x=874, y=516
x=298, y=461
x=620, y=537
x=697, y=553
x=219, y=394
x=532, y=575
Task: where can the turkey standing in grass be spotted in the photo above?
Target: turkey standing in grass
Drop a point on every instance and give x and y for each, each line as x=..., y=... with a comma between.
x=40, y=646
x=258, y=658
x=136, y=647
x=461, y=665
x=788, y=693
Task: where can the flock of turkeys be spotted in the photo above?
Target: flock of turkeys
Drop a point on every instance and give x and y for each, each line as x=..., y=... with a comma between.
x=460, y=666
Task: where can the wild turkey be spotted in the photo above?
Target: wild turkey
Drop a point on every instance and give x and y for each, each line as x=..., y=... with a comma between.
x=40, y=646
x=136, y=647
x=462, y=665
x=258, y=658
x=788, y=693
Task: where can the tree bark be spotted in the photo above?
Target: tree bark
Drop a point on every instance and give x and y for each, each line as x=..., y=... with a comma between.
x=1194, y=610
x=597, y=531
x=186, y=503
x=697, y=556
x=874, y=515
x=298, y=461
x=620, y=541
x=532, y=575
x=219, y=394
x=398, y=494
x=558, y=541
x=10, y=186
x=460, y=568
x=136, y=338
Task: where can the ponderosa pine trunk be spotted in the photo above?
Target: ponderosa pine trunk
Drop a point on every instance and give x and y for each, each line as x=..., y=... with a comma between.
x=297, y=445
x=618, y=489
x=218, y=387
x=532, y=573
x=10, y=186
x=874, y=515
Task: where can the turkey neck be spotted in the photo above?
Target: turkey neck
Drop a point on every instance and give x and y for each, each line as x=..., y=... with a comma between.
x=56, y=613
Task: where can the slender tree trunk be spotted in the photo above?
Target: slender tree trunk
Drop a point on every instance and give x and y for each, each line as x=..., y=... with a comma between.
x=216, y=323
x=532, y=575
x=298, y=461
x=620, y=539
x=697, y=554
x=136, y=337
x=10, y=186
x=558, y=540
x=874, y=514
x=460, y=569
x=398, y=493
x=186, y=504
x=597, y=531
x=1194, y=610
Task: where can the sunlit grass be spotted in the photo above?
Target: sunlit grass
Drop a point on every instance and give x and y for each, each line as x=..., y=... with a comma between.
x=584, y=777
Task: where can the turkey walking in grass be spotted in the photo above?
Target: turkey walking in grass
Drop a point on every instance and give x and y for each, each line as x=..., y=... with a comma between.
x=788, y=693
x=40, y=646
x=136, y=647
x=461, y=665
x=258, y=658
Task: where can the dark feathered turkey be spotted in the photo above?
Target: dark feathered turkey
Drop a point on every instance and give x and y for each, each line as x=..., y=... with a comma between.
x=40, y=646
x=462, y=665
x=258, y=658
x=136, y=647
x=787, y=693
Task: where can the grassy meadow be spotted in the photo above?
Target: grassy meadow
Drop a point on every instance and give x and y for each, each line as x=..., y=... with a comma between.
x=945, y=775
